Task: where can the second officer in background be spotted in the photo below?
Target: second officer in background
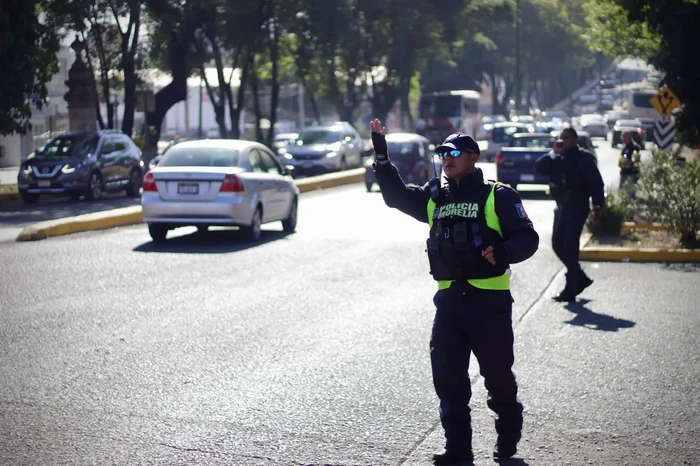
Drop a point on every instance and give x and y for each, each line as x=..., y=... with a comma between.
x=477, y=229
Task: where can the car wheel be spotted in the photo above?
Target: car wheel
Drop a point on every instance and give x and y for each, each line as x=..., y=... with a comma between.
x=289, y=224
x=252, y=232
x=94, y=190
x=29, y=198
x=158, y=232
x=369, y=185
x=133, y=188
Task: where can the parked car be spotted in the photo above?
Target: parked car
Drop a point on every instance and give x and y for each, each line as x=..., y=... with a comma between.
x=633, y=126
x=324, y=149
x=594, y=125
x=411, y=154
x=219, y=182
x=281, y=141
x=500, y=135
x=515, y=163
x=82, y=164
x=154, y=161
x=585, y=142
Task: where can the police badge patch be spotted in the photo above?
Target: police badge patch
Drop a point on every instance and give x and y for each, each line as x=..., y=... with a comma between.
x=521, y=210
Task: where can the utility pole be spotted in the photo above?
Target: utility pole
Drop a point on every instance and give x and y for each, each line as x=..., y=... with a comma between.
x=517, y=56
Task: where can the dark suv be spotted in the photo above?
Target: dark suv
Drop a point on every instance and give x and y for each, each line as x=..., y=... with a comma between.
x=82, y=164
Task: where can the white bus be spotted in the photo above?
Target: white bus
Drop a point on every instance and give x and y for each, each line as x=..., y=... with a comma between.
x=443, y=113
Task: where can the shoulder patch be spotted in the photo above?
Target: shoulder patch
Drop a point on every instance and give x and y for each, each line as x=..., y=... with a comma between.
x=521, y=210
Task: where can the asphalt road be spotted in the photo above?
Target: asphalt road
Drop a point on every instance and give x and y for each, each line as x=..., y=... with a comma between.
x=311, y=349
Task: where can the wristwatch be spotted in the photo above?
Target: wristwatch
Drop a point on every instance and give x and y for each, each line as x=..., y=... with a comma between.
x=381, y=157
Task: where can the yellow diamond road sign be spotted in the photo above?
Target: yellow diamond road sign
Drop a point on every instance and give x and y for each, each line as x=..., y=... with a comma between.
x=665, y=101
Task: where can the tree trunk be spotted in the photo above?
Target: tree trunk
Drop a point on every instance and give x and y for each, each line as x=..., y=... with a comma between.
x=96, y=94
x=274, y=98
x=175, y=91
x=235, y=110
x=256, y=102
x=129, y=95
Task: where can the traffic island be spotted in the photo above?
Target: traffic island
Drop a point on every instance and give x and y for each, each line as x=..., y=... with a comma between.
x=638, y=243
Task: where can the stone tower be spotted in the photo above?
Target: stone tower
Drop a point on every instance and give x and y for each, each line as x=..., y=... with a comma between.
x=81, y=99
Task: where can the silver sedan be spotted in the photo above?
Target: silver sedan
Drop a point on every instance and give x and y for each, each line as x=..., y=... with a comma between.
x=218, y=182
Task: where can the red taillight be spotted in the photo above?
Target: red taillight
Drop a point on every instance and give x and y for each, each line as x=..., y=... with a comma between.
x=499, y=158
x=640, y=132
x=149, y=183
x=232, y=184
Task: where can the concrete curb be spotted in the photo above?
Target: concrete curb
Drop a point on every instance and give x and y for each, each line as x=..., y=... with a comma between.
x=330, y=180
x=639, y=255
x=87, y=222
x=630, y=226
x=132, y=215
x=615, y=254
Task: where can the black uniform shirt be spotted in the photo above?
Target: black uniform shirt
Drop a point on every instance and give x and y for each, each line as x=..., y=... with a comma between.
x=520, y=240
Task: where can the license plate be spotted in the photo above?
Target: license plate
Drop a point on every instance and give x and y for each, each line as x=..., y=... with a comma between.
x=188, y=188
x=527, y=177
x=44, y=183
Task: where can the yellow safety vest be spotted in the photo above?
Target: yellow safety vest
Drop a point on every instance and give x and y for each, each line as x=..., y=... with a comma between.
x=500, y=282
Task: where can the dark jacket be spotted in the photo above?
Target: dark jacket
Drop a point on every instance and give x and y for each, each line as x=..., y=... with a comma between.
x=579, y=168
x=520, y=240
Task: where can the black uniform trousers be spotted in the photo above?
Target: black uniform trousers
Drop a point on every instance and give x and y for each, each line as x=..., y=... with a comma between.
x=566, y=235
x=472, y=320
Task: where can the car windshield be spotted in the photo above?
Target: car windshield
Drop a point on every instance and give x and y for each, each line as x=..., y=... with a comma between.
x=180, y=156
x=322, y=136
x=402, y=150
x=634, y=123
x=72, y=146
x=539, y=141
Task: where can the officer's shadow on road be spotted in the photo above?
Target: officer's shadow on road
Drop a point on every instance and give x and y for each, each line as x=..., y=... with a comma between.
x=210, y=242
x=585, y=317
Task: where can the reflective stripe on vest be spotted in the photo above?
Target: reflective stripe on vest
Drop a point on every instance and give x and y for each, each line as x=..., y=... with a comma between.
x=501, y=282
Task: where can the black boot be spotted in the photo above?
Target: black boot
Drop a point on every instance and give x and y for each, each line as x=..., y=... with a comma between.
x=506, y=446
x=584, y=282
x=567, y=295
x=454, y=458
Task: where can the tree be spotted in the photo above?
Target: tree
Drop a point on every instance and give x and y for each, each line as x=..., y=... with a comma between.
x=667, y=24
x=28, y=50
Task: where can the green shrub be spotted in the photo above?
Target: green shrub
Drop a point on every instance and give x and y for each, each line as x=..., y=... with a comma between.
x=669, y=192
x=612, y=216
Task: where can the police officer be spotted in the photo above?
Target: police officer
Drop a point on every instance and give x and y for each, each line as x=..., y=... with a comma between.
x=477, y=229
x=629, y=159
x=575, y=180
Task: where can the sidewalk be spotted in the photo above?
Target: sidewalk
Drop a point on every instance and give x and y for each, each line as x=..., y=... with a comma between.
x=608, y=380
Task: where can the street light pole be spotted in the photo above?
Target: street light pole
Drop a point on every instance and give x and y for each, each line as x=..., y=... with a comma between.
x=517, y=56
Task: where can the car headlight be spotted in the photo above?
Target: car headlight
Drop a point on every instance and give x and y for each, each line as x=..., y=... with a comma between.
x=27, y=170
x=330, y=155
x=72, y=167
x=288, y=156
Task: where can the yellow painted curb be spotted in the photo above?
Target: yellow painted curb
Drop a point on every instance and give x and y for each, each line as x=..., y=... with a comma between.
x=639, y=255
x=88, y=222
x=629, y=226
x=330, y=180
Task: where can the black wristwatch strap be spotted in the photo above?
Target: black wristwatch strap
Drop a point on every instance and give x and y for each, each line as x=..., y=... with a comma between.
x=381, y=157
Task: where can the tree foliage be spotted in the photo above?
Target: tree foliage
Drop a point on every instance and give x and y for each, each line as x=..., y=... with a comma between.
x=664, y=40
x=28, y=49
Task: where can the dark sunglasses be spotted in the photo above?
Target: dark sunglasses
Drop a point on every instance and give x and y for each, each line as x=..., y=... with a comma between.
x=443, y=154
